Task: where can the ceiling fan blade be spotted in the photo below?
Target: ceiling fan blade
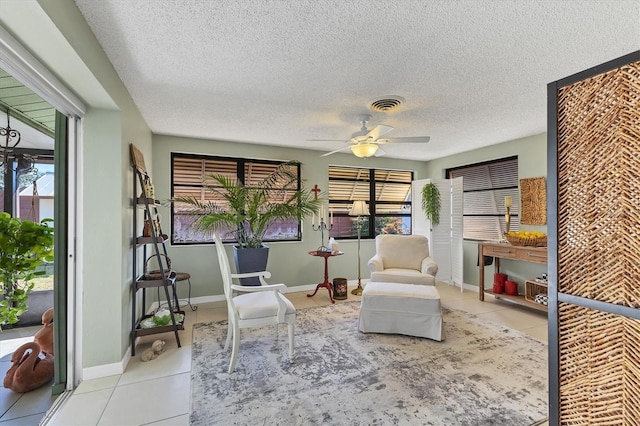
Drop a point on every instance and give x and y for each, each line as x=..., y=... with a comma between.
x=337, y=150
x=379, y=130
x=326, y=140
x=380, y=152
x=410, y=139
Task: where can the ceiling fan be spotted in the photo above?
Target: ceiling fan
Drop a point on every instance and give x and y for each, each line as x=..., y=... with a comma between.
x=366, y=143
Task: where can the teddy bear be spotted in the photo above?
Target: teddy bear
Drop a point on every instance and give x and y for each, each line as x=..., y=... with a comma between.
x=157, y=347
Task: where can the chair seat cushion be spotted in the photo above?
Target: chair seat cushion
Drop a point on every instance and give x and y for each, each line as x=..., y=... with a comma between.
x=259, y=305
x=400, y=290
x=403, y=276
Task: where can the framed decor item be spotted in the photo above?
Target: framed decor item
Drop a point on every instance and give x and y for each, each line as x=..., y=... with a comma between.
x=533, y=197
x=137, y=159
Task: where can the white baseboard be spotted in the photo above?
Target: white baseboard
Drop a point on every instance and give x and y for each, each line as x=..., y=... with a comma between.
x=105, y=370
x=119, y=367
x=220, y=297
x=204, y=299
x=465, y=286
x=312, y=287
x=471, y=287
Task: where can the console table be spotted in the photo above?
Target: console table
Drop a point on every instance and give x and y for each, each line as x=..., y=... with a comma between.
x=508, y=251
x=325, y=284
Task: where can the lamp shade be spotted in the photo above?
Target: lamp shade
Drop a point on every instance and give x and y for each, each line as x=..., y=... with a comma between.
x=364, y=150
x=359, y=208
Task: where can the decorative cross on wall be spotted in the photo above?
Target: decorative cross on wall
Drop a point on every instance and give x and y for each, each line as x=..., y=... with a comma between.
x=315, y=190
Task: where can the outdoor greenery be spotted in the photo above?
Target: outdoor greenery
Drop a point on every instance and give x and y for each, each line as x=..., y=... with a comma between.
x=246, y=212
x=24, y=247
x=390, y=225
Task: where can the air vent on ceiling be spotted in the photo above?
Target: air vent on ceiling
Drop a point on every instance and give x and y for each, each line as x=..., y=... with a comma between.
x=387, y=103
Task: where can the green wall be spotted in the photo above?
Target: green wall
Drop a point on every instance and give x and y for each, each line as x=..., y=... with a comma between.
x=56, y=34
x=532, y=162
x=199, y=260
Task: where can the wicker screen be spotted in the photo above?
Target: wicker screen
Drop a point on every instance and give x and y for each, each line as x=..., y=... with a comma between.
x=599, y=187
x=598, y=215
x=600, y=378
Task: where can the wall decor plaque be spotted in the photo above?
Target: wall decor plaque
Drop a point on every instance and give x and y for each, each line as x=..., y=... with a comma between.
x=533, y=197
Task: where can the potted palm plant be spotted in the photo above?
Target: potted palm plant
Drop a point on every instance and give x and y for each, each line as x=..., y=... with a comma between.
x=24, y=247
x=245, y=212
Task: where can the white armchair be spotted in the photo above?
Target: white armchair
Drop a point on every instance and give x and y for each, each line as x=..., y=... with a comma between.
x=403, y=259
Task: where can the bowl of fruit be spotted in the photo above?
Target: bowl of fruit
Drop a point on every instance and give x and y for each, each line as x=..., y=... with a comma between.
x=526, y=238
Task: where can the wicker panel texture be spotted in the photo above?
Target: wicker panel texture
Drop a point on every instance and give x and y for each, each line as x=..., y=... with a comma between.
x=599, y=247
x=599, y=187
x=600, y=373
x=533, y=196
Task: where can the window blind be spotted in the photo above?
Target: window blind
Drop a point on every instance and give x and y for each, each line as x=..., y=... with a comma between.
x=485, y=187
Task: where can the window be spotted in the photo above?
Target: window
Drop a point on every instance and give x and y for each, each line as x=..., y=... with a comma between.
x=485, y=187
x=388, y=196
x=190, y=171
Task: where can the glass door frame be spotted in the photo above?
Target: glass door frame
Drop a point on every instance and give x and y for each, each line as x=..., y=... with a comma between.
x=16, y=60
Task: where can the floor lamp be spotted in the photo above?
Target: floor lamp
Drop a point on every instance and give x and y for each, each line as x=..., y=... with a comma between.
x=359, y=209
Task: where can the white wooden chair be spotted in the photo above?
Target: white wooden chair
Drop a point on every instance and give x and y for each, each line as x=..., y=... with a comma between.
x=259, y=306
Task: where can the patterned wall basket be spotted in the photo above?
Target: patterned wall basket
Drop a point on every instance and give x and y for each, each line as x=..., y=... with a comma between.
x=526, y=241
x=533, y=196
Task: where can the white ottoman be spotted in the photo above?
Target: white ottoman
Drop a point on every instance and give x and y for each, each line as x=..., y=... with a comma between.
x=398, y=308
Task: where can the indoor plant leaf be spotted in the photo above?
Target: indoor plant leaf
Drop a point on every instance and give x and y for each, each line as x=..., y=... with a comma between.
x=431, y=202
x=246, y=212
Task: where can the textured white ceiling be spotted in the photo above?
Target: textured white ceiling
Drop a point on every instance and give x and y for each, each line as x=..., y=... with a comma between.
x=473, y=72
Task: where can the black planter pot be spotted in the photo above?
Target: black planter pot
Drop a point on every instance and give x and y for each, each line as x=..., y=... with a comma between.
x=250, y=260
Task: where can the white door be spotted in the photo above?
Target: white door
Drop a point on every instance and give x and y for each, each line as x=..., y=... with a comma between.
x=442, y=248
x=457, y=249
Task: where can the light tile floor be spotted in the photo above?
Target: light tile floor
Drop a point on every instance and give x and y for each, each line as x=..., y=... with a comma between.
x=157, y=392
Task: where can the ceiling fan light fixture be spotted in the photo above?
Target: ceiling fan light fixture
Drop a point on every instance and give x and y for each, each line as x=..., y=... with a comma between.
x=364, y=150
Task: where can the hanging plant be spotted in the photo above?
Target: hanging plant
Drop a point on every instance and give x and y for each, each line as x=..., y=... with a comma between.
x=431, y=202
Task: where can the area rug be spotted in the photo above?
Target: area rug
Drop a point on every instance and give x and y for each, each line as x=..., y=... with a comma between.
x=481, y=374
